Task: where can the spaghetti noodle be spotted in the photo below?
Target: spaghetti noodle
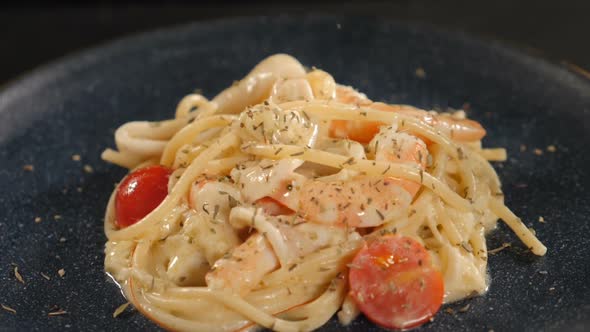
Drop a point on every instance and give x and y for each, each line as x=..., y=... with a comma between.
x=289, y=198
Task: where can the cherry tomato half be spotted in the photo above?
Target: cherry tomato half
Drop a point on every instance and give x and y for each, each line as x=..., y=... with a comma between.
x=393, y=282
x=140, y=193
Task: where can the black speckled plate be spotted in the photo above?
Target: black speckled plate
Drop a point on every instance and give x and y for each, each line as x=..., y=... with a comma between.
x=74, y=105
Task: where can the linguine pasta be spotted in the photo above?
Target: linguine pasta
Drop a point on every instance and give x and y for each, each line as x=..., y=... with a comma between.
x=278, y=182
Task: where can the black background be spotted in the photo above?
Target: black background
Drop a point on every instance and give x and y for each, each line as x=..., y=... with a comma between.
x=35, y=33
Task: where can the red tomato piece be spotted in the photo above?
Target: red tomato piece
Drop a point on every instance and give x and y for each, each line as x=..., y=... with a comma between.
x=273, y=207
x=393, y=282
x=140, y=193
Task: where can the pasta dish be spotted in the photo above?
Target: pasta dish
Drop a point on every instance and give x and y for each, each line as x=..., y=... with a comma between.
x=288, y=199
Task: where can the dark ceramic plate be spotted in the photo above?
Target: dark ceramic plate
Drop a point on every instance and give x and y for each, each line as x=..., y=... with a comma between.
x=74, y=105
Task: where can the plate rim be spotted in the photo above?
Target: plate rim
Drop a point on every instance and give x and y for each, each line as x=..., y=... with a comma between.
x=55, y=68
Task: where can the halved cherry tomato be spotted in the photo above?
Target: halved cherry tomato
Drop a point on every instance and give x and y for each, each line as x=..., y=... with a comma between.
x=140, y=193
x=273, y=207
x=393, y=282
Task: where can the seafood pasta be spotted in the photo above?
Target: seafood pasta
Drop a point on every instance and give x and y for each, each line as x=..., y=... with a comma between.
x=289, y=198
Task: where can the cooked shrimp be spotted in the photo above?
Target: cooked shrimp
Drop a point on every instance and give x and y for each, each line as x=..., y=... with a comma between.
x=391, y=145
x=242, y=270
x=275, y=185
x=269, y=178
x=267, y=123
x=463, y=130
x=348, y=95
x=363, y=201
x=277, y=243
x=367, y=201
x=343, y=147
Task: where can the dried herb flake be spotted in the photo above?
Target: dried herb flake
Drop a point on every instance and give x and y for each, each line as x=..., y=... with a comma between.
x=18, y=276
x=120, y=309
x=9, y=309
